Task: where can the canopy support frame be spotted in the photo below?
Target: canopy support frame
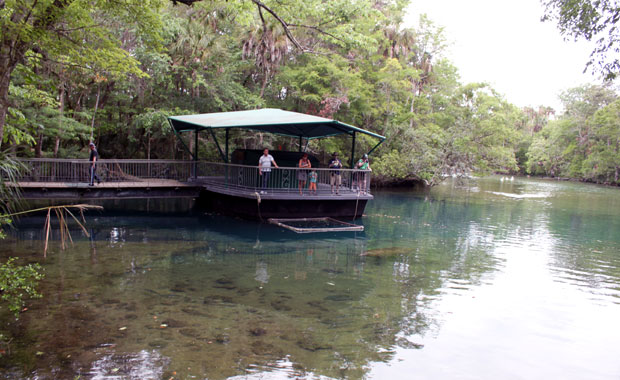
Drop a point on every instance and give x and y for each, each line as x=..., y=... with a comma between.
x=219, y=148
x=375, y=147
x=353, y=151
x=180, y=139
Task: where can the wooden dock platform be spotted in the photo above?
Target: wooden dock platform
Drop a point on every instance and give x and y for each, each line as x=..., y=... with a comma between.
x=153, y=188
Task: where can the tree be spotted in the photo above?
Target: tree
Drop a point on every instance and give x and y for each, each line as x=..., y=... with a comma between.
x=603, y=163
x=583, y=142
x=268, y=44
x=71, y=31
x=589, y=19
x=548, y=153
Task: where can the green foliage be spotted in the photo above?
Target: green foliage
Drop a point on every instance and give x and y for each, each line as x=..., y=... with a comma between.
x=546, y=154
x=9, y=172
x=18, y=283
x=603, y=162
x=589, y=19
x=583, y=143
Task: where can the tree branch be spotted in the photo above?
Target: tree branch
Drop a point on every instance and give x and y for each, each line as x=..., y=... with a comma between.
x=62, y=30
x=285, y=26
x=317, y=29
x=260, y=13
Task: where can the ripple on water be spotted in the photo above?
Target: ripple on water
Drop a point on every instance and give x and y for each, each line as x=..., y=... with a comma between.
x=593, y=274
x=144, y=365
x=522, y=196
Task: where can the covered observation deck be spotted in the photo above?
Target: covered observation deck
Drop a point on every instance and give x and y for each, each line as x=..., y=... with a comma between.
x=236, y=188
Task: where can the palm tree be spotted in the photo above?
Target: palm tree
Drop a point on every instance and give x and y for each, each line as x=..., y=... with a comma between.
x=268, y=44
x=195, y=46
x=9, y=173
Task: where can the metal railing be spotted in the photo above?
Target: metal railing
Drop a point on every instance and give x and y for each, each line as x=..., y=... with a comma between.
x=73, y=171
x=287, y=179
x=242, y=177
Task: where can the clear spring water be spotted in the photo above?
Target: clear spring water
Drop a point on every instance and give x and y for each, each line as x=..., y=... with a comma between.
x=485, y=279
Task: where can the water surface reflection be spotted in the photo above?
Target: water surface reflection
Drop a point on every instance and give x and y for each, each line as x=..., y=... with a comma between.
x=501, y=280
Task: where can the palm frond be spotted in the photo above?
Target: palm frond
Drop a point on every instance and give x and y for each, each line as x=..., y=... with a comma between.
x=61, y=212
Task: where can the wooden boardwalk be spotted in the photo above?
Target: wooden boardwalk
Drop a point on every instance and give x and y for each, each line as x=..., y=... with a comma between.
x=152, y=183
x=154, y=188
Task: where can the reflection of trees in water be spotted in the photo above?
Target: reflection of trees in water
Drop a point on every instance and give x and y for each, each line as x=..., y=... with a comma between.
x=259, y=294
x=321, y=299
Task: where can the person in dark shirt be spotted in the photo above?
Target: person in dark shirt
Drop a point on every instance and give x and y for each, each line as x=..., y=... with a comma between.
x=336, y=179
x=94, y=156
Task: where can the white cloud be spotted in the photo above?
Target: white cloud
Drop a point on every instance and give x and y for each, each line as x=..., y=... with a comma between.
x=504, y=43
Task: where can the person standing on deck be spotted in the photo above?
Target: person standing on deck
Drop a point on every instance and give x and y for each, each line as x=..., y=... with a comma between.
x=302, y=175
x=364, y=165
x=264, y=168
x=94, y=156
x=313, y=177
x=336, y=178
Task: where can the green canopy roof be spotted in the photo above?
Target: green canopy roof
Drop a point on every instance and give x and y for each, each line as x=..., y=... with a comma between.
x=268, y=120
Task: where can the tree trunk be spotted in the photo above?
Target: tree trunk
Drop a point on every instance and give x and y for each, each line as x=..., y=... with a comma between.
x=6, y=68
x=39, y=145
x=265, y=80
x=92, y=125
x=4, y=108
x=387, y=111
x=61, y=110
x=411, y=109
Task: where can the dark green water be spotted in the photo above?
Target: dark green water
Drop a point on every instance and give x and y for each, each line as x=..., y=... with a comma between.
x=486, y=279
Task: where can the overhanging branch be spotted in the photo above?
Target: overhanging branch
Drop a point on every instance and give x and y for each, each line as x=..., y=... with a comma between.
x=287, y=30
x=287, y=27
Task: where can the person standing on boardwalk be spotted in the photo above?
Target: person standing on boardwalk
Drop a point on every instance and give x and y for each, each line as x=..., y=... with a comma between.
x=94, y=156
x=264, y=168
x=336, y=178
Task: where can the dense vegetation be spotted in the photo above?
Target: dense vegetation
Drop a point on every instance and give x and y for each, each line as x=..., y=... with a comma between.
x=584, y=142
x=73, y=70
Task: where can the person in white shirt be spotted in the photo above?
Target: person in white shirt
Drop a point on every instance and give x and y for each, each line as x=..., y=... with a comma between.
x=264, y=168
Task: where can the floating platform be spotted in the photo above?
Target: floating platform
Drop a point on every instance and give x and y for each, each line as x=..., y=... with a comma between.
x=313, y=225
x=283, y=204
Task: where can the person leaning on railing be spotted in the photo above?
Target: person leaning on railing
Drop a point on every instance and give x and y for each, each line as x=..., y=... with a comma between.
x=364, y=165
x=264, y=168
